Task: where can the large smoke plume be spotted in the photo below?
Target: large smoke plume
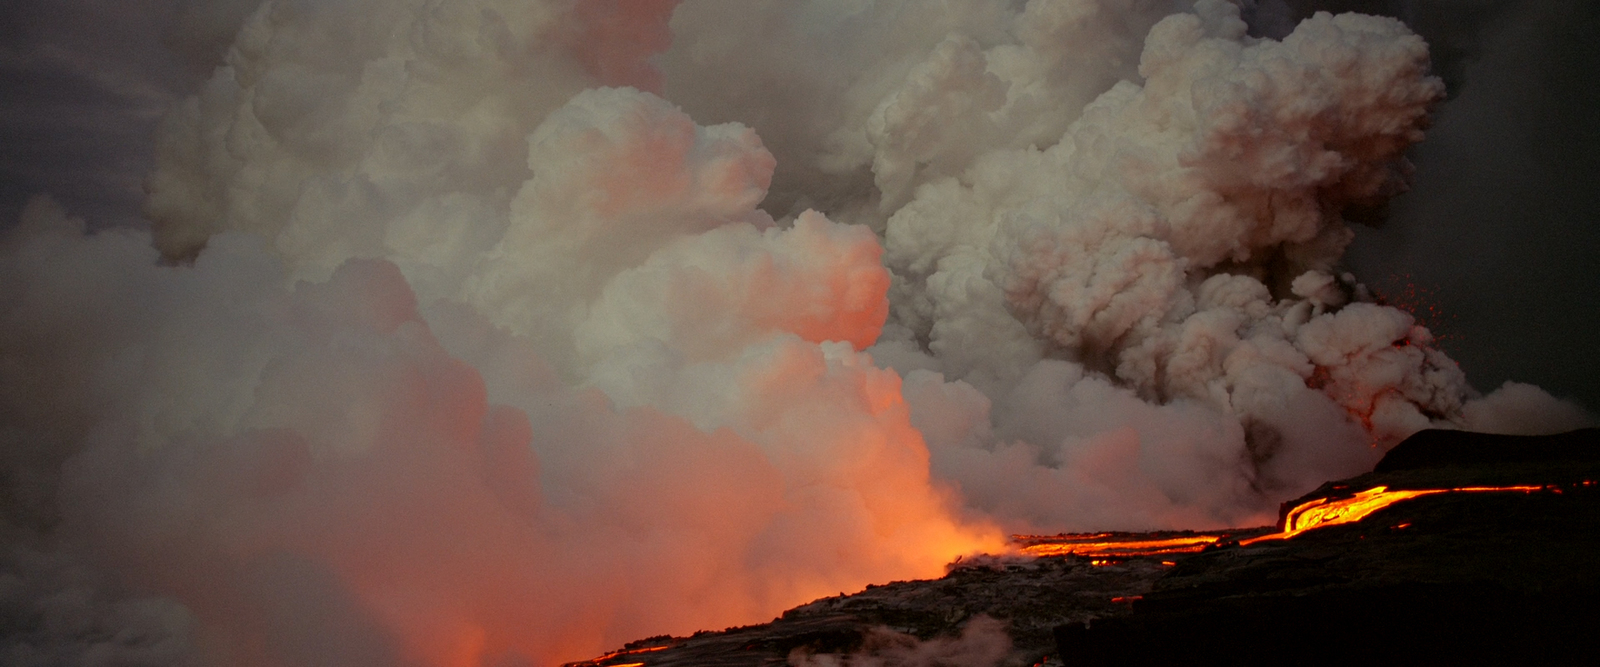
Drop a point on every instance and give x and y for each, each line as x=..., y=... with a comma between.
x=498, y=331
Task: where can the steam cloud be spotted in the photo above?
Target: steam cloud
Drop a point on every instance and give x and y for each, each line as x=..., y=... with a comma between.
x=456, y=341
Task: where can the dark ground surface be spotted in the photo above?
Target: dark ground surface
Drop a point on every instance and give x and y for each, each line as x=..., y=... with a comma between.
x=1032, y=595
x=1468, y=578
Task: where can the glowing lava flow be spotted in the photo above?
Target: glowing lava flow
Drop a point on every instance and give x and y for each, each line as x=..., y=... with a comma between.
x=593, y=662
x=1330, y=512
x=1108, y=545
x=1306, y=516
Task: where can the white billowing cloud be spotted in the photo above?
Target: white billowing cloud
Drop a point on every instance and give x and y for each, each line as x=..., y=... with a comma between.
x=711, y=295
x=233, y=438
x=457, y=340
x=1094, y=239
x=338, y=129
x=1517, y=408
x=616, y=175
x=1146, y=310
x=279, y=439
x=863, y=102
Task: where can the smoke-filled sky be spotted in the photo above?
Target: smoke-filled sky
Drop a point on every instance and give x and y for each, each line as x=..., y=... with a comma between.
x=501, y=332
x=1492, y=244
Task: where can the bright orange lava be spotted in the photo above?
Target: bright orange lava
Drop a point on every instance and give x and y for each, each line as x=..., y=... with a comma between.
x=1328, y=512
x=1098, y=545
x=1101, y=547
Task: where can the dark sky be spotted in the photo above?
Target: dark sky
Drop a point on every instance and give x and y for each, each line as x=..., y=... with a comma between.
x=1494, y=248
x=83, y=85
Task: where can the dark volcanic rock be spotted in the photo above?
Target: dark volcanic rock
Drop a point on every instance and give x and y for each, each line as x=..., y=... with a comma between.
x=1032, y=596
x=1398, y=624
x=1453, y=577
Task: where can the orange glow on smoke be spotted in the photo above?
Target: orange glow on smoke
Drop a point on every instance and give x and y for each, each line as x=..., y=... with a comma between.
x=1330, y=512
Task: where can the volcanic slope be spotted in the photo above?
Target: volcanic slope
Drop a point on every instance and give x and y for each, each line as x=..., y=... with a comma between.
x=1496, y=563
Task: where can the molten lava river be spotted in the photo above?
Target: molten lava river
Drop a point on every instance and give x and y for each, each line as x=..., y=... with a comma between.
x=1310, y=515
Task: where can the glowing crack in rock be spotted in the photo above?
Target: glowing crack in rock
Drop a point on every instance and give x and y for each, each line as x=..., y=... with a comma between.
x=1104, y=545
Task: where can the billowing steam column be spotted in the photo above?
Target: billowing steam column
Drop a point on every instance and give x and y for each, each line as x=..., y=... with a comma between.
x=471, y=355
x=456, y=341
x=1147, y=317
